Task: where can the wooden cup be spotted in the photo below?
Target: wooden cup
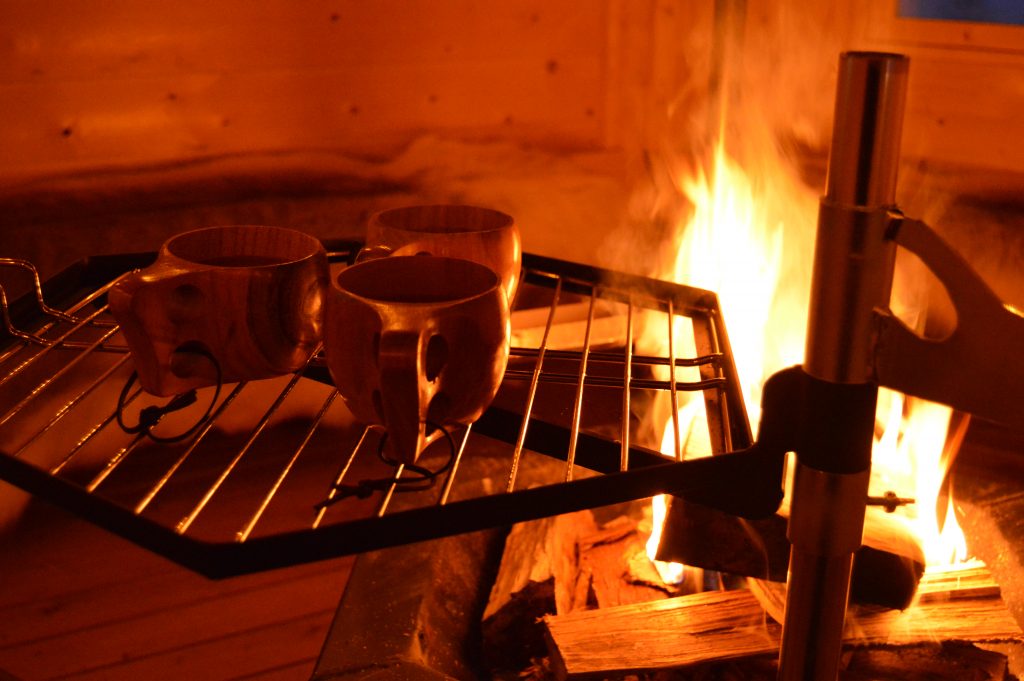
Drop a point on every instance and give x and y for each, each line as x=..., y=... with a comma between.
x=412, y=340
x=250, y=298
x=482, y=235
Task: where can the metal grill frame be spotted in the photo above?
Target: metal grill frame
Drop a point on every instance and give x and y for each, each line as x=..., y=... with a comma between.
x=625, y=471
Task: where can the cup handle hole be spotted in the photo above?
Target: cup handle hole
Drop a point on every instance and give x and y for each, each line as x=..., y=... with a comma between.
x=437, y=356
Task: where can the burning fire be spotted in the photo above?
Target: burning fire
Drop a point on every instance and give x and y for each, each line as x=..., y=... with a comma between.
x=734, y=245
x=671, y=573
x=912, y=455
x=750, y=239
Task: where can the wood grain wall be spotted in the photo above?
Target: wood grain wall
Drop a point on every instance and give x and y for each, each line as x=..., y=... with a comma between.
x=93, y=83
x=965, y=101
x=88, y=84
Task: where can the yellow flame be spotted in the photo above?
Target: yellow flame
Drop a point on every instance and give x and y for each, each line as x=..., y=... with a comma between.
x=695, y=440
x=910, y=459
x=733, y=244
x=750, y=240
x=731, y=247
x=671, y=573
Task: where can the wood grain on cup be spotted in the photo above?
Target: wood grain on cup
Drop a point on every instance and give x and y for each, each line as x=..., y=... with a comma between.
x=412, y=340
x=249, y=296
x=482, y=235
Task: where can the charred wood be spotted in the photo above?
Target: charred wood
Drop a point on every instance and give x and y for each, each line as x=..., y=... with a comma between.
x=537, y=576
x=886, y=570
x=939, y=661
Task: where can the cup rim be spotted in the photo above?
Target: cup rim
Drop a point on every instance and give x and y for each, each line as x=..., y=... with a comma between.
x=501, y=219
x=314, y=246
x=489, y=280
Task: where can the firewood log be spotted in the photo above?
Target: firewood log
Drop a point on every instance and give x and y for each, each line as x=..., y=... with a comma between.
x=613, y=563
x=729, y=625
x=537, y=576
x=886, y=569
x=560, y=565
x=922, y=662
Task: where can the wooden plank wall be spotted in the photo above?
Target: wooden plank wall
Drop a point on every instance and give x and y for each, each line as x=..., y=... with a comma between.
x=966, y=88
x=129, y=83
x=965, y=92
x=113, y=83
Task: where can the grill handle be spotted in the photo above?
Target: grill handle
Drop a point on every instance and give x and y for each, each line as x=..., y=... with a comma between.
x=973, y=369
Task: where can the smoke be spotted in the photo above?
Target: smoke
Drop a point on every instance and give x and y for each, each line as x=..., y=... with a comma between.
x=727, y=196
x=760, y=79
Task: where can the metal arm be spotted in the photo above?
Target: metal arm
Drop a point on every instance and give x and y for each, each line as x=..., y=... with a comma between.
x=976, y=369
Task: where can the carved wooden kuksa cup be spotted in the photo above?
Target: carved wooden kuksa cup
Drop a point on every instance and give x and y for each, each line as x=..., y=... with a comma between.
x=223, y=303
x=482, y=235
x=416, y=340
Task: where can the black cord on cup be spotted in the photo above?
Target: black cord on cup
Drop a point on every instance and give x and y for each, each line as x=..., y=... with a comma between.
x=422, y=479
x=150, y=416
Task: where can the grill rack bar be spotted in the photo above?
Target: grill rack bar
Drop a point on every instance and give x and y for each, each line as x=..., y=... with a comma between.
x=622, y=467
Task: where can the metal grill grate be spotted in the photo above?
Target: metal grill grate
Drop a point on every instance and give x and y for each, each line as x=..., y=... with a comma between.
x=277, y=475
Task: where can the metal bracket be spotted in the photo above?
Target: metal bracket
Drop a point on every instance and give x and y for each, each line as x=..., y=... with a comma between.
x=977, y=368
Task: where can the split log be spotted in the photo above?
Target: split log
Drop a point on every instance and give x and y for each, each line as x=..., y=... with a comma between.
x=561, y=565
x=886, y=570
x=942, y=585
x=705, y=537
x=538, y=576
x=614, y=568
x=973, y=581
x=666, y=634
x=717, y=626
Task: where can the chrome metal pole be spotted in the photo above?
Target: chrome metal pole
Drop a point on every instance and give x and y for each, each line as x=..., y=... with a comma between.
x=853, y=267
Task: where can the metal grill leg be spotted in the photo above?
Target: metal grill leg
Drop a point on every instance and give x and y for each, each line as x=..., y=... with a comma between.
x=853, y=266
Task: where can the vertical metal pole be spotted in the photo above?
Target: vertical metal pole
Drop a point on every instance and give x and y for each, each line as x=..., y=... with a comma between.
x=853, y=266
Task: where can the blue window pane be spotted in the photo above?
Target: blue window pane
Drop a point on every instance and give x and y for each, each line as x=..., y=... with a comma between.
x=982, y=11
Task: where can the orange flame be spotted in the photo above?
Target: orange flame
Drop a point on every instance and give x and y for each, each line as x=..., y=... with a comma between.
x=671, y=573
x=912, y=457
x=733, y=245
x=750, y=239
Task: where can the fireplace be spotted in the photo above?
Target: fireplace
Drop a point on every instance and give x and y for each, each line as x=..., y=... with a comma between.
x=140, y=123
